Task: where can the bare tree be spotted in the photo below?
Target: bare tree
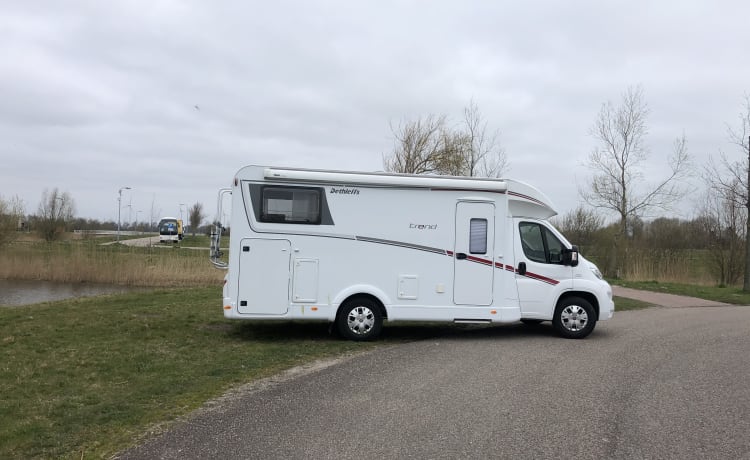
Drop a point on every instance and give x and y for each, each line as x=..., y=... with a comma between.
x=56, y=210
x=484, y=156
x=418, y=144
x=429, y=145
x=196, y=216
x=723, y=218
x=11, y=219
x=580, y=225
x=617, y=164
x=731, y=179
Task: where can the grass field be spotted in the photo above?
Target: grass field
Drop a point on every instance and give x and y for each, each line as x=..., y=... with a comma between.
x=85, y=378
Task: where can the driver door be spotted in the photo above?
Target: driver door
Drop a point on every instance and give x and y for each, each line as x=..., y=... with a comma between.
x=539, y=268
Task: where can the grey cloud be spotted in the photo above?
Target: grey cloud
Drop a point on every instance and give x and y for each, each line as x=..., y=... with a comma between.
x=98, y=95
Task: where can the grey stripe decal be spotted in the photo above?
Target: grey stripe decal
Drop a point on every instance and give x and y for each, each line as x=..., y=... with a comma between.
x=401, y=244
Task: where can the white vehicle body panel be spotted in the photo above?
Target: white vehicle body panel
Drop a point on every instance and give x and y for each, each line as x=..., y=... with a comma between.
x=428, y=248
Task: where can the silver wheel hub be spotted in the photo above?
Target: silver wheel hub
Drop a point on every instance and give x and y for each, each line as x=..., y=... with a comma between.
x=360, y=320
x=574, y=318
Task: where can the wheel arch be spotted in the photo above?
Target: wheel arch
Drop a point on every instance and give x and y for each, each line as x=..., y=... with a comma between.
x=588, y=296
x=365, y=295
x=362, y=290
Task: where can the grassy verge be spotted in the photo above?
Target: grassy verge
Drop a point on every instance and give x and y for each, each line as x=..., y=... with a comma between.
x=731, y=295
x=82, y=378
x=623, y=304
x=202, y=241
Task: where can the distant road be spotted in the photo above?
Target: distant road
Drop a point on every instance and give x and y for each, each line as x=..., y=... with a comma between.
x=669, y=383
x=146, y=241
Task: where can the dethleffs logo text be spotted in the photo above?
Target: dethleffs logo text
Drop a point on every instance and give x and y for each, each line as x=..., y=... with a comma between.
x=344, y=191
x=423, y=226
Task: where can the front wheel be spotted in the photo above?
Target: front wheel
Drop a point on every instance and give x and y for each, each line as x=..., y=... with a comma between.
x=360, y=318
x=575, y=318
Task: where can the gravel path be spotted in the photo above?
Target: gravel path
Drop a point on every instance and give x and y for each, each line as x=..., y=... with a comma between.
x=664, y=300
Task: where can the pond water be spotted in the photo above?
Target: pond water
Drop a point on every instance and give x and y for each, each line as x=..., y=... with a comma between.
x=16, y=292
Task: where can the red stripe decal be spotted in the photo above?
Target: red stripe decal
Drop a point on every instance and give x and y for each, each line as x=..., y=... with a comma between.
x=526, y=197
x=541, y=278
x=479, y=260
x=511, y=269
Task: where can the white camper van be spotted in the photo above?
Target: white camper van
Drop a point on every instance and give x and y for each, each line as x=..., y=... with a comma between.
x=357, y=248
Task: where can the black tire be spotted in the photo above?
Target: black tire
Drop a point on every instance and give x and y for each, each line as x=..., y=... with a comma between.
x=360, y=319
x=574, y=318
x=531, y=322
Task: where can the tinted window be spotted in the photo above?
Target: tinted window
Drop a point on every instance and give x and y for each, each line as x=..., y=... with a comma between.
x=540, y=244
x=532, y=241
x=291, y=205
x=554, y=247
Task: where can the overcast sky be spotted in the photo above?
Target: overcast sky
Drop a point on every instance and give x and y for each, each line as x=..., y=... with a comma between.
x=171, y=98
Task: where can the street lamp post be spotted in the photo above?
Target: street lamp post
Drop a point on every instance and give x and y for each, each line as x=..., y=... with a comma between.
x=119, y=208
x=130, y=210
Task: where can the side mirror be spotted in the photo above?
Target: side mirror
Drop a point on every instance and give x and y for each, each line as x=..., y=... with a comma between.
x=570, y=256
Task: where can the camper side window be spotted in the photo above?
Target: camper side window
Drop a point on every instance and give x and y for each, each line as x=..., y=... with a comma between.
x=290, y=205
x=478, y=236
x=540, y=244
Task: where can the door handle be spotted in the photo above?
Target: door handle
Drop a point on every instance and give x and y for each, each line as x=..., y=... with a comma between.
x=460, y=255
x=522, y=268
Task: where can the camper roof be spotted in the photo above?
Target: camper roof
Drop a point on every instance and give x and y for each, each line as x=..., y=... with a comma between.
x=524, y=199
x=385, y=179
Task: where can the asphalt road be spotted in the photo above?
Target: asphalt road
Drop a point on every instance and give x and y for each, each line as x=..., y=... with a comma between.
x=656, y=383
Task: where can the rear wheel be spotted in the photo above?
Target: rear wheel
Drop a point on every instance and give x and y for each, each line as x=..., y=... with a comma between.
x=360, y=318
x=575, y=318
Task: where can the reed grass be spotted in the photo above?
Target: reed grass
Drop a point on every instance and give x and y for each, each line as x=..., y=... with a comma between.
x=684, y=266
x=89, y=261
x=675, y=266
